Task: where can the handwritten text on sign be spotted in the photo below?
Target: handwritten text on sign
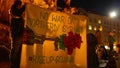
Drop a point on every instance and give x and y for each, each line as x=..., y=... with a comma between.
x=42, y=22
x=38, y=59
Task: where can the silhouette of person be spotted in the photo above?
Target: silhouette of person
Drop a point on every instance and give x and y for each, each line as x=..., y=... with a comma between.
x=17, y=27
x=111, y=60
x=104, y=53
x=111, y=41
x=98, y=36
x=118, y=56
x=91, y=52
x=103, y=56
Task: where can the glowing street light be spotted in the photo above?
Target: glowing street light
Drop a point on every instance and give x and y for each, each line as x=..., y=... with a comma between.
x=113, y=14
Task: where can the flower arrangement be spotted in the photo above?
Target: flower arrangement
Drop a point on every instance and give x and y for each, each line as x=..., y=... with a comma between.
x=70, y=42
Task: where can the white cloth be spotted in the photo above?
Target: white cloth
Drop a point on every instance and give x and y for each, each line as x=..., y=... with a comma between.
x=103, y=63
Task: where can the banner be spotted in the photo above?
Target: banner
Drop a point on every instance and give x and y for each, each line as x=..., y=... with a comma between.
x=59, y=39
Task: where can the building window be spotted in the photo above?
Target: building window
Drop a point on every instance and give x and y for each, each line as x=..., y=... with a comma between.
x=90, y=27
x=99, y=21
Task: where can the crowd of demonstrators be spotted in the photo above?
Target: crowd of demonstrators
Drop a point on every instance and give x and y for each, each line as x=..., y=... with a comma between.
x=111, y=59
x=106, y=57
x=17, y=27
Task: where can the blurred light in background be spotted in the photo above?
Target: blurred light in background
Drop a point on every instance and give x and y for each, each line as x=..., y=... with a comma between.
x=106, y=47
x=113, y=14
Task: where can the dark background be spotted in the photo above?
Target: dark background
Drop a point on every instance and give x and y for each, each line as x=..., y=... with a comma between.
x=102, y=7
x=99, y=6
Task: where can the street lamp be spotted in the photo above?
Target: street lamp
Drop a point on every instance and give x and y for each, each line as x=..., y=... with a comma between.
x=113, y=14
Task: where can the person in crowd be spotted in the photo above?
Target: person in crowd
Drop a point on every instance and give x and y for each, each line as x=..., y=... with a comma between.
x=104, y=53
x=111, y=41
x=118, y=56
x=66, y=9
x=102, y=56
x=98, y=36
x=111, y=60
x=91, y=52
x=17, y=27
x=74, y=10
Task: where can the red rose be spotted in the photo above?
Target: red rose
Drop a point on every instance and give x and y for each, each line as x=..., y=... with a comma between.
x=72, y=41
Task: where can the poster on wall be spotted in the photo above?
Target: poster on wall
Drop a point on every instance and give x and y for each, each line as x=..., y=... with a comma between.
x=53, y=39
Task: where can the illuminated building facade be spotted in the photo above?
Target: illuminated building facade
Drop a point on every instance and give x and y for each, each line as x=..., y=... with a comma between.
x=105, y=25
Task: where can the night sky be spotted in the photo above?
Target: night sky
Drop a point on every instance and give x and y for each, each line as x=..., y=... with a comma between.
x=102, y=7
